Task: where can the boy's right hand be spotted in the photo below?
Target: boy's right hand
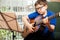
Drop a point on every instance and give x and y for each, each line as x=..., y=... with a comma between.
x=31, y=28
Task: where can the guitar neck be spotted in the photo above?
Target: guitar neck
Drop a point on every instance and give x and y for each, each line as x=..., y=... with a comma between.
x=54, y=16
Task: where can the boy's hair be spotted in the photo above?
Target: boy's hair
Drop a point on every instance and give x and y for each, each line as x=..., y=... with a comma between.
x=41, y=2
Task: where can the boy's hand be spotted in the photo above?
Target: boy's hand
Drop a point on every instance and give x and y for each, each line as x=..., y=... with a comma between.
x=45, y=20
x=31, y=28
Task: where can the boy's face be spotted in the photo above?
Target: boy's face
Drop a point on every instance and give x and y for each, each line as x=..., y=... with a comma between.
x=41, y=8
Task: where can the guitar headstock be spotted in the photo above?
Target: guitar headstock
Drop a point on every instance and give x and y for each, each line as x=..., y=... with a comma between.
x=57, y=14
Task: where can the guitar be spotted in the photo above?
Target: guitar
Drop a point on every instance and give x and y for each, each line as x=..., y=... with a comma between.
x=37, y=22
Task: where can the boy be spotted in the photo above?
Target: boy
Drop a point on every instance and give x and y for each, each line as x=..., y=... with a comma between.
x=46, y=33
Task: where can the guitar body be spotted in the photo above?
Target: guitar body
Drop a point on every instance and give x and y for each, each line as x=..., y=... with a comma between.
x=26, y=30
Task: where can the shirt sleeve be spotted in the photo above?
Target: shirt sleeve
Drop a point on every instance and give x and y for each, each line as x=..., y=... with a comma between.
x=32, y=15
x=53, y=20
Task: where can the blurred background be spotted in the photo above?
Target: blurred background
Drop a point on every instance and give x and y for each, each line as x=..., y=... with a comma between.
x=23, y=8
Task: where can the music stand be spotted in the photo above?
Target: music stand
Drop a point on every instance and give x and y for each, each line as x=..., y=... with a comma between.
x=8, y=21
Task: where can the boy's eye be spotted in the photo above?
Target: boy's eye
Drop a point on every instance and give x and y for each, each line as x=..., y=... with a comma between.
x=39, y=8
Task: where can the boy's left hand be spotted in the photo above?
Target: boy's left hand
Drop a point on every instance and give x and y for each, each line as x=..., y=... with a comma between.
x=45, y=20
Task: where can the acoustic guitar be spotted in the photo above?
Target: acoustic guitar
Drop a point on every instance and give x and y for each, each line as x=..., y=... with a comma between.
x=37, y=21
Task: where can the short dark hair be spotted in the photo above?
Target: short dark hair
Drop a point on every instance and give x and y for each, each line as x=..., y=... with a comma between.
x=41, y=2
